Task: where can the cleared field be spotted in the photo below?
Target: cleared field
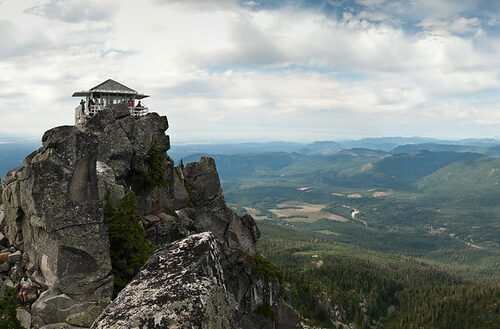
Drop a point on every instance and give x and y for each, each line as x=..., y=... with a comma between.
x=327, y=232
x=255, y=213
x=295, y=211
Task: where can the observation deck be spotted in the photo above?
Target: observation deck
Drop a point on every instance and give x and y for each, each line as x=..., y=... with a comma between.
x=103, y=96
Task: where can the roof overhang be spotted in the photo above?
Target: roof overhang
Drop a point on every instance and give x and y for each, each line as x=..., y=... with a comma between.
x=81, y=94
x=114, y=91
x=88, y=93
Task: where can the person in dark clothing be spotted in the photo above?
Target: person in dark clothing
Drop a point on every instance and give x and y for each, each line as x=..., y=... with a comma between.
x=82, y=106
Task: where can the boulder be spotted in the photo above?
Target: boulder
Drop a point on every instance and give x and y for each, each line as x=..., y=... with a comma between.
x=149, y=220
x=31, y=297
x=54, y=307
x=16, y=272
x=243, y=233
x=24, y=317
x=169, y=228
x=4, y=267
x=180, y=286
x=203, y=181
x=8, y=283
x=15, y=257
x=56, y=135
x=238, y=232
x=198, y=282
x=85, y=318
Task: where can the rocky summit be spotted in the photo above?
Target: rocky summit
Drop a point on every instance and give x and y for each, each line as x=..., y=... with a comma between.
x=206, y=272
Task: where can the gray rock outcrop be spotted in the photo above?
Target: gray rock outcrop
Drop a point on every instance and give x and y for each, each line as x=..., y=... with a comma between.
x=51, y=217
x=210, y=212
x=185, y=285
x=180, y=286
x=53, y=205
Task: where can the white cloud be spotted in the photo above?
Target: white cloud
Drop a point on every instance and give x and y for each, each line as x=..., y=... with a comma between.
x=75, y=11
x=459, y=25
x=219, y=70
x=371, y=3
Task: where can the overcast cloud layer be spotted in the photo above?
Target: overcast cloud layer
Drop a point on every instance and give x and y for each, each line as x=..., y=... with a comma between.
x=259, y=70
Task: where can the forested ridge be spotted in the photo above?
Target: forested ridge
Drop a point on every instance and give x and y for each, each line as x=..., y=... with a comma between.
x=343, y=286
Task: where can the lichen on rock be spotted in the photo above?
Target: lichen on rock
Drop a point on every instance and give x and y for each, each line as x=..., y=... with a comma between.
x=181, y=285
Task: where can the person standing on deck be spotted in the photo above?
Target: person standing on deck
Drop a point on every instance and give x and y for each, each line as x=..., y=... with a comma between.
x=82, y=104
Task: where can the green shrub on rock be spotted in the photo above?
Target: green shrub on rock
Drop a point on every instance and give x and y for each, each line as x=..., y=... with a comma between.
x=129, y=247
x=265, y=310
x=264, y=268
x=8, y=304
x=154, y=174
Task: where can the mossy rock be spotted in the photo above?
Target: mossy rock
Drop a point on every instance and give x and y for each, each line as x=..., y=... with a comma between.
x=85, y=318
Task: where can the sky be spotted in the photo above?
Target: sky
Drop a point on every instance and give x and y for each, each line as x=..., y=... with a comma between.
x=233, y=71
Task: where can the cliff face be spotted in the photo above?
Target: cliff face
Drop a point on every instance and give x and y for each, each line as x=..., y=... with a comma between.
x=53, y=209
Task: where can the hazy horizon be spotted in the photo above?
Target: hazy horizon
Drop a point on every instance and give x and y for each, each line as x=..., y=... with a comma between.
x=13, y=139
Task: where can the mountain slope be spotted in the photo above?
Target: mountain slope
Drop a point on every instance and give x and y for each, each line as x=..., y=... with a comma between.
x=413, y=165
x=473, y=179
x=333, y=164
x=397, y=171
x=434, y=147
x=251, y=164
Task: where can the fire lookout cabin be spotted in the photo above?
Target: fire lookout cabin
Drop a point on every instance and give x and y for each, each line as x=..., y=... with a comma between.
x=104, y=95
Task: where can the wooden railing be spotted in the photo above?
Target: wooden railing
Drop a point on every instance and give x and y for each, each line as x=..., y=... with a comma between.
x=94, y=109
x=91, y=110
x=79, y=116
x=137, y=111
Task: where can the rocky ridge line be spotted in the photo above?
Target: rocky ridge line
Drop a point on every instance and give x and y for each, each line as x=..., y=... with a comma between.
x=53, y=219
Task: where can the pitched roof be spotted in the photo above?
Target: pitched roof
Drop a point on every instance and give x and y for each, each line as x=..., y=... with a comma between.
x=112, y=86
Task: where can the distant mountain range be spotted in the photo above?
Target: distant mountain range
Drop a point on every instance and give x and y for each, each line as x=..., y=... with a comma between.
x=394, y=145
x=14, y=149
x=251, y=164
x=351, y=167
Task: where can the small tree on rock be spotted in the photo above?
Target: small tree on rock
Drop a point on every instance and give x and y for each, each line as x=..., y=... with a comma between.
x=154, y=175
x=129, y=247
x=8, y=304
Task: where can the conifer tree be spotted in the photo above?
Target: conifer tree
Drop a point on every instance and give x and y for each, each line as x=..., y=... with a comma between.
x=8, y=304
x=154, y=175
x=129, y=247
